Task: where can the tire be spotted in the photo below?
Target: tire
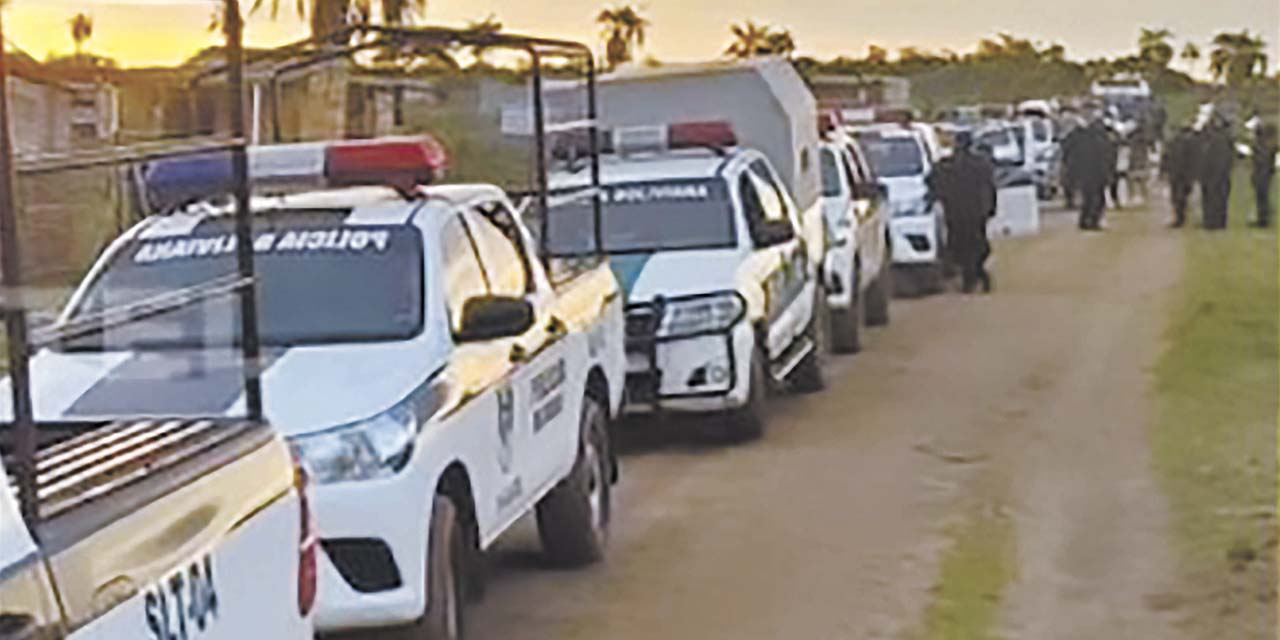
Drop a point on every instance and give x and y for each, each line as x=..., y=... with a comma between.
x=573, y=519
x=933, y=279
x=808, y=376
x=747, y=422
x=444, y=618
x=846, y=324
x=878, y=294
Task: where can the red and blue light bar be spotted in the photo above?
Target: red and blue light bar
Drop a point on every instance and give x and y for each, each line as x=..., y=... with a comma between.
x=400, y=163
x=709, y=134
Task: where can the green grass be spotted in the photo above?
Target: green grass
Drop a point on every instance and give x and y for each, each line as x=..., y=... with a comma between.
x=1215, y=442
x=979, y=564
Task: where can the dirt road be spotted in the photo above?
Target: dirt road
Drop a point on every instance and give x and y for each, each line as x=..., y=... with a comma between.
x=1030, y=404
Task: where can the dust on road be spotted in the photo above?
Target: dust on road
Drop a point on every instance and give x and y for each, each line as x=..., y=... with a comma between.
x=1031, y=402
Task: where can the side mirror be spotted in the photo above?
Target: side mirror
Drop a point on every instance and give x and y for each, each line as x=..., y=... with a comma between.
x=494, y=317
x=774, y=232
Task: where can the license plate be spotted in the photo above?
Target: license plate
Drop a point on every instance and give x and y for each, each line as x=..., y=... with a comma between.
x=185, y=604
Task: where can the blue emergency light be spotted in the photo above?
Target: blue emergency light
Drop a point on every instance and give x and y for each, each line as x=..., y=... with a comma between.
x=401, y=163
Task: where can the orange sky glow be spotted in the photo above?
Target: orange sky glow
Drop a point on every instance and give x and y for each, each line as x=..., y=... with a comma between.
x=162, y=32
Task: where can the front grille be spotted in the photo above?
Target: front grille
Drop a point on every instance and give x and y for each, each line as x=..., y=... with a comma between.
x=366, y=564
x=642, y=388
x=918, y=241
x=642, y=321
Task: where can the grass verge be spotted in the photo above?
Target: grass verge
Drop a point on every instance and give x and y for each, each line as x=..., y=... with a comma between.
x=979, y=564
x=1215, y=442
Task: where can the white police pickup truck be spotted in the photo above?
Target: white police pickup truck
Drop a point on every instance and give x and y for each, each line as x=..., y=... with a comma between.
x=159, y=530
x=902, y=161
x=431, y=380
x=857, y=266
x=724, y=299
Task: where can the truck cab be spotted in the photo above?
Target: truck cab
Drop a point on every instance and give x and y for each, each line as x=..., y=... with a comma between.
x=857, y=266
x=432, y=380
x=724, y=295
x=902, y=160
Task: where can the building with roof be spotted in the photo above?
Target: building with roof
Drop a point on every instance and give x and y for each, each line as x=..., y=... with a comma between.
x=852, y=92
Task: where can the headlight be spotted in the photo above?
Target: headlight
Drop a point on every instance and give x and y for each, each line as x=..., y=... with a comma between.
x=702, y=314
x=910, y=209
x=375, y=448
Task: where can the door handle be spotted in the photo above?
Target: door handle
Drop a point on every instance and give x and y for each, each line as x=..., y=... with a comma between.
x=17, y=626
x=557, y=328
x=519, y=354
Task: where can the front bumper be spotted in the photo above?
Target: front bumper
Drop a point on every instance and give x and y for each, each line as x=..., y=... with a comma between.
x=392, y=514
x=915, y=239
x=706, y=372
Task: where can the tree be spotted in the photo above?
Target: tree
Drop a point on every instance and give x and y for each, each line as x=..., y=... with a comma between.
x=624, y=30
x=749, y=40
x=81, y=30
x=1237, y=57
x=1154, y=49
x=877, y=55
x=1190, y=55
x=329, y=16
x=781, y=43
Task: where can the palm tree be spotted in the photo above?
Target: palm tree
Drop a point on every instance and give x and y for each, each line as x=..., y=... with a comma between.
x=624, y=30
x=749, y=40
x=328, y=16
x=1237, y=57
x=781, y=43
x=1154, y=48
x=81, y=30
x=1190, y=55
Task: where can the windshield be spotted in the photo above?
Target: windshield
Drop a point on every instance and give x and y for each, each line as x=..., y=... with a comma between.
x=313, y=273
x=894, y=157
x=830, y=174
x=669, y=215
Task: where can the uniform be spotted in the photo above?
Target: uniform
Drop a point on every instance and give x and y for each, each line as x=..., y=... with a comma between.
x=966, y=185
x=1215, y=175
x=1179, y=165
x=1264, y=171
x=1070, y=158
x=1095, y=168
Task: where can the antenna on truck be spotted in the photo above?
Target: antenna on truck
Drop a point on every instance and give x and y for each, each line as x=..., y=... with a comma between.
x=13, y=303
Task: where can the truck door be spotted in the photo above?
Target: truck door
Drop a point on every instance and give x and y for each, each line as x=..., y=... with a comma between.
x=545, y=437
x=28, y=608
x=784, y=264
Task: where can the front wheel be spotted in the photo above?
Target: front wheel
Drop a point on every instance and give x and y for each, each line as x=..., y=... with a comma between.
x=446, y=562
x=573, y=519
x=846, y=324
x=878, y=294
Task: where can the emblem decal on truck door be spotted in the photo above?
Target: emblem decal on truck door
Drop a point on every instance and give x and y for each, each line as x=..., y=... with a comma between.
x=506, y=424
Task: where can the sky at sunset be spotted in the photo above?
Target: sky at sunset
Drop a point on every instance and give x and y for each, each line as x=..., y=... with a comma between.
x=144, y=32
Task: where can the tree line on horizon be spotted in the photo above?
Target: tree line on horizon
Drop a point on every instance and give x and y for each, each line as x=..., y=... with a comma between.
x=1235, y=59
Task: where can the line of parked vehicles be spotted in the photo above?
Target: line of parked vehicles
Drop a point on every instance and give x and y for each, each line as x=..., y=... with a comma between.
x=437, y=361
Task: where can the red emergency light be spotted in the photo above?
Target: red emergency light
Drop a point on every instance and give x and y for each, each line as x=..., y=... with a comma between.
x=399, y=163
x=716, y=134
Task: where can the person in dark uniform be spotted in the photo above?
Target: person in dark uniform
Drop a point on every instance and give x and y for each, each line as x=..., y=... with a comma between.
x=1094, y=171
x=966, y=185
x=1070, y=184
x=1178, y=165
x=1215, y=173
x=1264, y=171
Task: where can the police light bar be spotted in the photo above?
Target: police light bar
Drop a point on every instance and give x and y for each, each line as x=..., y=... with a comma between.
x=829, y=120
x=401, y=163
x=714, y=134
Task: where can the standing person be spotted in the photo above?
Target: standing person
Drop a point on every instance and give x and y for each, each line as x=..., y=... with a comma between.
x=1218, y=154
x=1264, y=171
x=966, y=185
x=1179, y=166
x=1070, y=183
x=1118, y=160
x=1139, y=165
x=1094, y=171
